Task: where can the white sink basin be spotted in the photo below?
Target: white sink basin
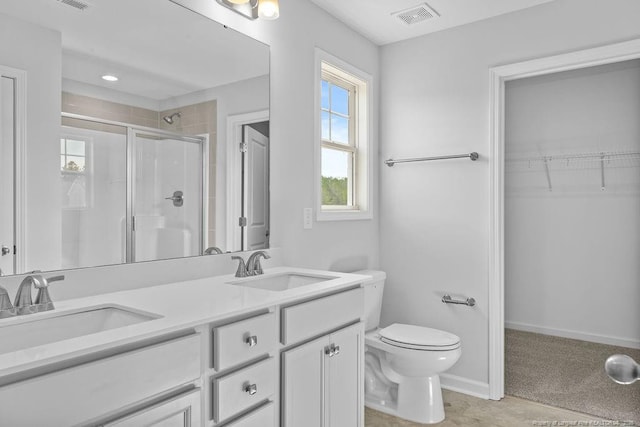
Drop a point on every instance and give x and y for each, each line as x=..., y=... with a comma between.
x=281, y=281
x=52, y=327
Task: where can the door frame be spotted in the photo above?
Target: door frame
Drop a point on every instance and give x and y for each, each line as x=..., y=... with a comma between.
x=499, y=76
x=19, y=162
x=235, y=135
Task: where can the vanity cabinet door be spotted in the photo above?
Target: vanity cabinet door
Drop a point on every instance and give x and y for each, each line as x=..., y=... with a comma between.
x=302, y=383
x=181, y=411
x=344, y=387
x=322, y=382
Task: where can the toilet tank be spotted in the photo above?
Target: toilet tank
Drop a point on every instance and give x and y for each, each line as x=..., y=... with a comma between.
x=373, y=289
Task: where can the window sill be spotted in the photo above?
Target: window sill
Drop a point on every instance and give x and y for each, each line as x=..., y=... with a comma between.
x=343, y=215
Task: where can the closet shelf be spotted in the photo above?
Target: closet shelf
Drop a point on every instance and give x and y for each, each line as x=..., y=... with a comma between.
x=559, y=162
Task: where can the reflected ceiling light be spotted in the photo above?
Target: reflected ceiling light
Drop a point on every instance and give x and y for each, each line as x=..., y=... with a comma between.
x=268, y=9
x=253, y=9
x=109, y=78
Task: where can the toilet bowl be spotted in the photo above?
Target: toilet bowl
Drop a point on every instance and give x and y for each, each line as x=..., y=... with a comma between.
x=403, y=362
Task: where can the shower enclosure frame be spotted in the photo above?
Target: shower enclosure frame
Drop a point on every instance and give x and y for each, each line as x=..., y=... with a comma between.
x=131, y=170
x=617, y=52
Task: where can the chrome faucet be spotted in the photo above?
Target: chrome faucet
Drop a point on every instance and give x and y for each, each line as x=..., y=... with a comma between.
x=253, y=263
x=212, y=250
x=23, y=303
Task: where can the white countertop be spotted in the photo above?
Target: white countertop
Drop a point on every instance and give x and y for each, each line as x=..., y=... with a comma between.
x=182, y=305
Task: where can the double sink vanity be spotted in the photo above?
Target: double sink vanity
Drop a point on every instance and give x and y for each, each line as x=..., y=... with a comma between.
x=281, y=348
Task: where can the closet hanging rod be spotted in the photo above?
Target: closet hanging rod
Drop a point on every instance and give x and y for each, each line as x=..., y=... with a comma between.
x=473, y=156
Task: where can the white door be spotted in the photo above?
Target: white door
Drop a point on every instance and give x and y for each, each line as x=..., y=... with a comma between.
x=7, y=144
x=302, y=385
x=344, y=382
x=256, y=190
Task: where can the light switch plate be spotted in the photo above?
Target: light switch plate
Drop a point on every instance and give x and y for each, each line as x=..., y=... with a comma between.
x=307, y=218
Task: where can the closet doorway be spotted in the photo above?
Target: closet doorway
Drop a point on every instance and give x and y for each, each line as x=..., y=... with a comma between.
x=565, y=281
x=572, y=236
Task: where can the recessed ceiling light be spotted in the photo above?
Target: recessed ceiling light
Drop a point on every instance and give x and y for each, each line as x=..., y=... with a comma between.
x=110, y=78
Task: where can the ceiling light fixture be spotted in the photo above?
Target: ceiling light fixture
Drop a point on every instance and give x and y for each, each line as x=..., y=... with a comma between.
x=109, y=78
x=253, y=9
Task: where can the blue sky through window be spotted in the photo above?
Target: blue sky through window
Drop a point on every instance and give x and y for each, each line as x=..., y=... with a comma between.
x=335, y=128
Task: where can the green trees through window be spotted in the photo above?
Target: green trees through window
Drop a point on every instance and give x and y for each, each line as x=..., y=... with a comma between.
x=334, y=191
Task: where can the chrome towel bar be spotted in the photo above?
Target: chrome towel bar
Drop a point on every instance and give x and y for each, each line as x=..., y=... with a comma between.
x=473, y=156
x=448, y=300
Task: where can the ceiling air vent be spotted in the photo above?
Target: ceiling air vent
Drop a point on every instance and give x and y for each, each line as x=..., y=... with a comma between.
x=416, y=14
x=80, y=5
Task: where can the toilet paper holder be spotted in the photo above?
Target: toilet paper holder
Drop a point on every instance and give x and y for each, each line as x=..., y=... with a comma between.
x=448, y=300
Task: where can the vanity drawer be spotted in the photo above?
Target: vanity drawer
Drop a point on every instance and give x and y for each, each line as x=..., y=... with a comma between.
x=245, y=340
x=240, y=390
x=263, y=417
x=74, y=395
x=315, y=317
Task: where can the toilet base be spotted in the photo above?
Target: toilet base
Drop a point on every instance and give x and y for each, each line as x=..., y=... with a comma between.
x=411, y=404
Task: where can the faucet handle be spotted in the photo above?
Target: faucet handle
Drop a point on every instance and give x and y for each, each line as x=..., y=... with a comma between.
x=242, y=267
x=43, y=299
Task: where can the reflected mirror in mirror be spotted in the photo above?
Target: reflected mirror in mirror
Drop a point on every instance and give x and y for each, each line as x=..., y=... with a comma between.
x=120, y=150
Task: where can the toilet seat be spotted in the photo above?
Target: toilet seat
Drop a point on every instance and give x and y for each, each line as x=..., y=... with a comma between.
x=418, y=338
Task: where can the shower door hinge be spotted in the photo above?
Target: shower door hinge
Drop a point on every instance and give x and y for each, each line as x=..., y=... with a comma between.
x=243, y=147
x=242, y=221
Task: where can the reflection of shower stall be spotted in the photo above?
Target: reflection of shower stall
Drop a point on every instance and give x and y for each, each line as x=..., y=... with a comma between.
x=129, y=193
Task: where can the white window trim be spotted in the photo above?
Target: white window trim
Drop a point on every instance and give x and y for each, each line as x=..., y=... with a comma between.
x=365, y=149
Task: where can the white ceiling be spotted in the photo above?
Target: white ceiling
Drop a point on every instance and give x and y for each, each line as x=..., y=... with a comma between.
x=157, y=48
x=372, y=18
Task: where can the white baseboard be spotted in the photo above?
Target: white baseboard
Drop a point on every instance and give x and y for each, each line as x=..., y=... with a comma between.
x=464, y=385
x=576, y=335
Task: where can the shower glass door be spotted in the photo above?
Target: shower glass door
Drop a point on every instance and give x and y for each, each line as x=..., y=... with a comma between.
x=93, y=184
x=167, y=197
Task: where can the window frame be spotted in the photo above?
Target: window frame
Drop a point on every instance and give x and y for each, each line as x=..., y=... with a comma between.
x=334, y=70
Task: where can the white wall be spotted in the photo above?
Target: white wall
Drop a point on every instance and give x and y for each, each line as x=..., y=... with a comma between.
x=344, y=245
x=38, y=51
x=571, y=254
x=435, y=216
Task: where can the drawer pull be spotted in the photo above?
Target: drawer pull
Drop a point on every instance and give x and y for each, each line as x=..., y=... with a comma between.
x=336, y=350
x=251, y=341
x=251, y=389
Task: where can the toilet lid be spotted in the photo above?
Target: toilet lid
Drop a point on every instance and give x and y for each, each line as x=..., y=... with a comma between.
x=418, y=337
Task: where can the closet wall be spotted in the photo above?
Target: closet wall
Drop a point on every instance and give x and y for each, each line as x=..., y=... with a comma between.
x=572, y=208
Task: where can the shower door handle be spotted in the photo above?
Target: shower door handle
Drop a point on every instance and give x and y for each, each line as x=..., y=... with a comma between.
x=177, y=198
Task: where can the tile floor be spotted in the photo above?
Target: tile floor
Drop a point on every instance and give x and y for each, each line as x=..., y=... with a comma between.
x=468, y=411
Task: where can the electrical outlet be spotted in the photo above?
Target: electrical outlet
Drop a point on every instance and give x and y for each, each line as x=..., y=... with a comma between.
x=307, y=218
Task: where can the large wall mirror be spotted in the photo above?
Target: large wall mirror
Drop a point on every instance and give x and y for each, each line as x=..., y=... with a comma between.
x=117, y=120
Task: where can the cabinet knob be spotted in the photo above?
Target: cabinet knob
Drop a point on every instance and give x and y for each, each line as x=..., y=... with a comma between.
x=329, y=350
x=251, y=389
x=332, y=350
x=251, y=341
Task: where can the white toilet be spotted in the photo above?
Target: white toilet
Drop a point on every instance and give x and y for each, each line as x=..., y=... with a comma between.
x=402, y=362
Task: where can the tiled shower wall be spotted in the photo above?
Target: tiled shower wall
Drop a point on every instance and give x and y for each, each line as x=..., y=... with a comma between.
x=196, y=119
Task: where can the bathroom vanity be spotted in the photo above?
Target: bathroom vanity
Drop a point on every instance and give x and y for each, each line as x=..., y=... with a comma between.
x=284, y=348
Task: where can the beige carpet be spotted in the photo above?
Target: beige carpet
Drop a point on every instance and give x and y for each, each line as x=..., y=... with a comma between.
x=462, y=410
x=569, y=374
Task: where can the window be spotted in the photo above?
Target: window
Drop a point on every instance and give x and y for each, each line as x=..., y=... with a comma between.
x=73, y=168
x=342, y=163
